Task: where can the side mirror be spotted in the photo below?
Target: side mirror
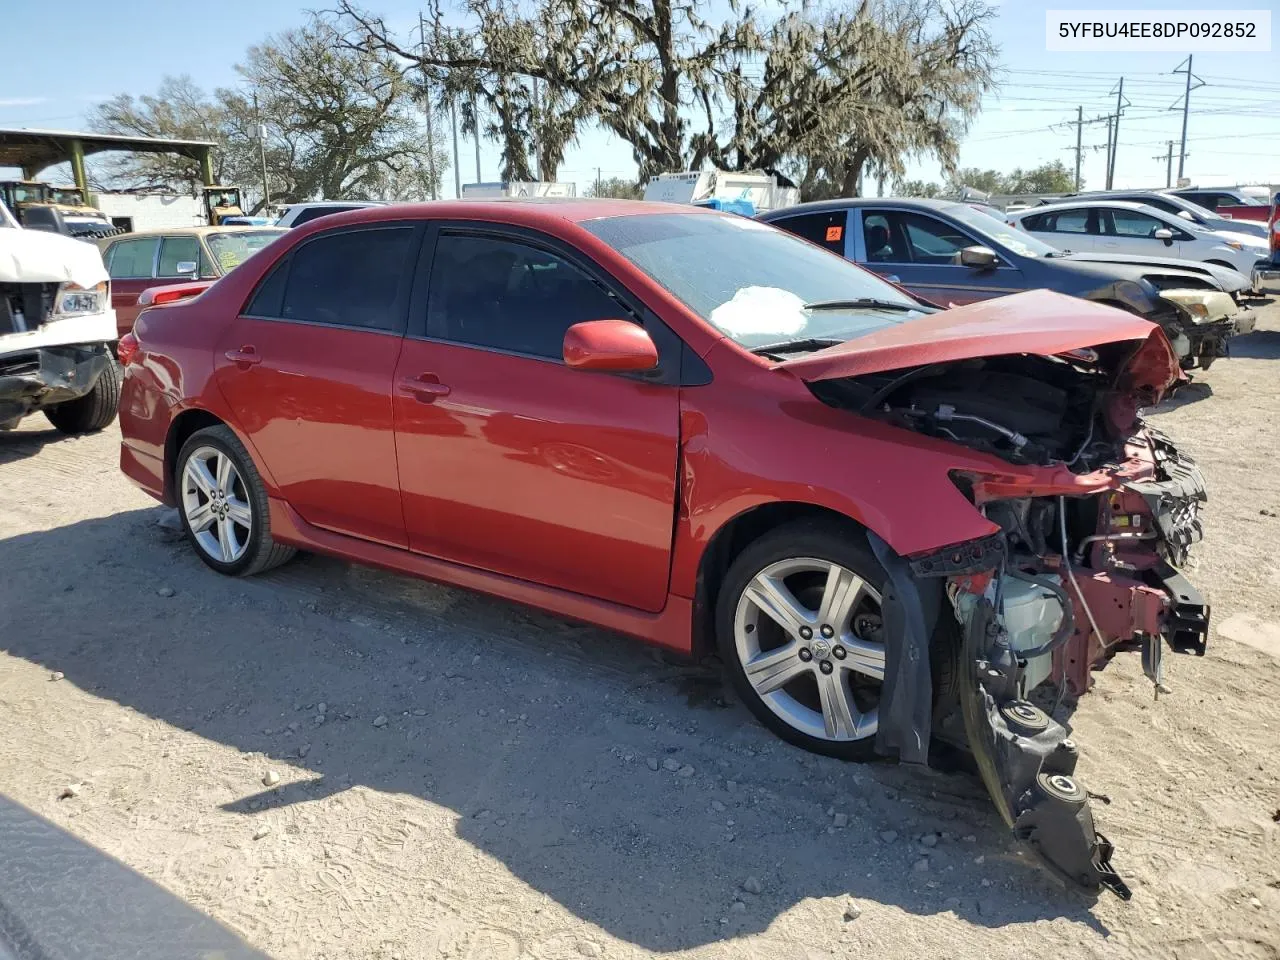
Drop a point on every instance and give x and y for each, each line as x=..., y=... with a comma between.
x=1186, y=215
x=983, y=258
x=185, y=267
x=613, y=345
x=1164, y=234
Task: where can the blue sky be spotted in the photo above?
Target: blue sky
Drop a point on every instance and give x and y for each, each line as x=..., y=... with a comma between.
x=1233, y=136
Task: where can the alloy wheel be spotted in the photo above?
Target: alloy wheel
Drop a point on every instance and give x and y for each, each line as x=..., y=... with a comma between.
x=808, y=634
x=216, y=504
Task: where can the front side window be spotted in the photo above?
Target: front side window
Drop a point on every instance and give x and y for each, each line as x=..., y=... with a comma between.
x=350, y=279
x=510, y=296
x=826, y=229
x=883, y=245
x=134, y=259
x=1131, y=223
x=932, y=241
x=176, y=250
x=754, y=283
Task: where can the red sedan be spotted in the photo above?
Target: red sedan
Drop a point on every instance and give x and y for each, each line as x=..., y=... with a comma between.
x=893, y=522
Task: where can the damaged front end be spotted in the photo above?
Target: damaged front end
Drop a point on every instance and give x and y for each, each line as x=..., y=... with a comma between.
x=1199, y=324
x=1095, y=513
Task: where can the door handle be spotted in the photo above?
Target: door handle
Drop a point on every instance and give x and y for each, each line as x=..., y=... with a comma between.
x=246, y=356
x=424, y=388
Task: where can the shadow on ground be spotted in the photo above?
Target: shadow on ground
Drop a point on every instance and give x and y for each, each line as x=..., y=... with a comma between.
x=537, y=732
x=16, y=446
x=61, y=897
x=1259, y=345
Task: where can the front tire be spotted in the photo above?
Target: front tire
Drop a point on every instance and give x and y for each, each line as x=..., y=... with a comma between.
x=223, y=504
x=93, y=411
x=800, y=630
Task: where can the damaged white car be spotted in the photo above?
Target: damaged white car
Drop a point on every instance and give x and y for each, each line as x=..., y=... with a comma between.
x=56, y=331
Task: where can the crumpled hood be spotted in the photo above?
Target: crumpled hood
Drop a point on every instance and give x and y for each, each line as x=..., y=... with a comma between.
x=1038, y=321
x=34, y=256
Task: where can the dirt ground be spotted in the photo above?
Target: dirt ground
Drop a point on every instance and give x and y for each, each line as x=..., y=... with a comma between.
x=462, y=778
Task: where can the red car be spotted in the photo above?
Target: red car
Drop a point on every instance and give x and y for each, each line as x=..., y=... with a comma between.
x=893, y=522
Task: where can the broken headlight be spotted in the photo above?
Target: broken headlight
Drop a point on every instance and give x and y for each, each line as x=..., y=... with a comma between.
x=1203, y=305
x=73, y=300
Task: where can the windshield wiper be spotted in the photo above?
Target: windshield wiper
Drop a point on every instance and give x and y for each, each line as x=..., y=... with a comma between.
x=796, y=346
x=862, y=303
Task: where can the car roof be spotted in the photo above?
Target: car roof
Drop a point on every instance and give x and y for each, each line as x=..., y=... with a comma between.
x=202, y=231
x=518, y=211
x=1077, y=202
x=301, y=204
x=844, y=203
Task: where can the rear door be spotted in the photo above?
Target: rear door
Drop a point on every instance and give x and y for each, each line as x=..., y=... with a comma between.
x=922, y=252
x=131, y=264
x=512, y=462
x=307, y=371
x=1072, y=231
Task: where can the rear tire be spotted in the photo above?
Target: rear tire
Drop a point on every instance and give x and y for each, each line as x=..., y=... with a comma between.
x=94, y=410
x=223, y=505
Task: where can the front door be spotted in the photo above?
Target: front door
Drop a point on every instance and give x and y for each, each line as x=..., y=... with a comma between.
x=1134, y=232
x=511, y=461
x=307, y=372
x=923, y=253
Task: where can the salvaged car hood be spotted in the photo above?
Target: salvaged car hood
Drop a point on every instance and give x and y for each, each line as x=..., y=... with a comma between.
x=34, y=256
x=1038, y=322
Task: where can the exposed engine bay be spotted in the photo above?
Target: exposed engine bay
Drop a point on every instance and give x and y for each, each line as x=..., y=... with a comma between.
x=1091, y=527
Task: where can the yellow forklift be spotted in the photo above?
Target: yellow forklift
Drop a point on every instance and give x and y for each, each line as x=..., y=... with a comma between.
x=220, y=203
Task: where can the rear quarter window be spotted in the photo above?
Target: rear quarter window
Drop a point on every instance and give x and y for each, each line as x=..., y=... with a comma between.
x=826, y=229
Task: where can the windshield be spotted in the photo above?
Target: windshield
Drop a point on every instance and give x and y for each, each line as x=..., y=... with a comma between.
x=232, y=249
x=1002, y=233
x=752, y=281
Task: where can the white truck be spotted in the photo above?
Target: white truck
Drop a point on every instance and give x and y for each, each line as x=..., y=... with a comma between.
x=520, y=189
x=761, y=190
x=56, y=331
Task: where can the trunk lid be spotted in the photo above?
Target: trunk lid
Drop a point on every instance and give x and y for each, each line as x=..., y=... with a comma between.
x=1037, y=322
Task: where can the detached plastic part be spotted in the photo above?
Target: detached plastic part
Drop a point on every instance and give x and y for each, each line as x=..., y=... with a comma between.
x=1026, y=760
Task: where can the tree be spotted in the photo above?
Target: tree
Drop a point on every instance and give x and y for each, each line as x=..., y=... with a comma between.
x=919, y=188
x=1051, y=177
x=616, y=188
x=826, y=94
x=341, y=123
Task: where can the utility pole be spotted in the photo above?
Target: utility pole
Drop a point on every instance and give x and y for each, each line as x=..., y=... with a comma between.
x=1186, y=108
x=475, y=114
x=597, y=183
x=457, y=166
x=1121, y=103
x=262, y=154
x=453, y=122
x=426, y=103
x=537, y=113
x=1079, y=134
x=1167, y=157
x=1110, y=118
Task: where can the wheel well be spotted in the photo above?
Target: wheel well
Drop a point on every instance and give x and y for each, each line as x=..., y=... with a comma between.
x=729, y=541
x=183, y=426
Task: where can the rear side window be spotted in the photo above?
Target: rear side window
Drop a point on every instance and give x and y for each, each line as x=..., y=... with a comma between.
x=1035, y=221
x=826, y=229
x=312, y=213
x=350, y=279
x=133, y=259
x=510, y=296
x=1068, y=221
x=176, y=250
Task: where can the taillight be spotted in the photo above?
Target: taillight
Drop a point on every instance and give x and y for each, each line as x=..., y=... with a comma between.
x=127, y=349
x=171, y=293
x=1275, y=226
